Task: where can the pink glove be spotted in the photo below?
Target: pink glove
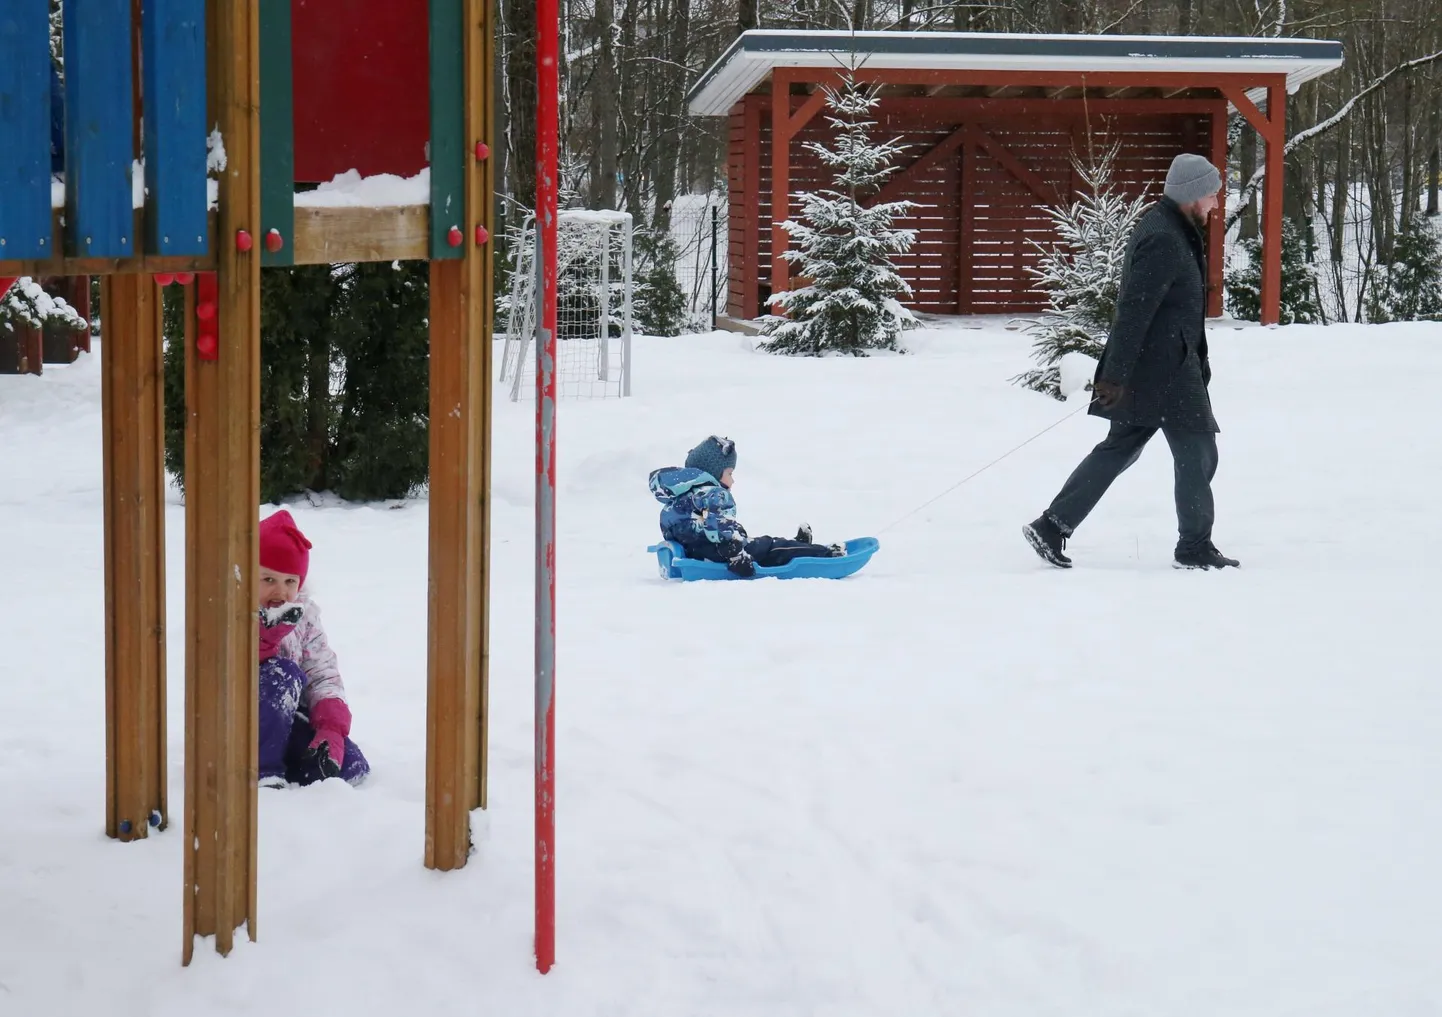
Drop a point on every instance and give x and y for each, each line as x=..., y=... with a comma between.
x=331, y=720
x=275, y=624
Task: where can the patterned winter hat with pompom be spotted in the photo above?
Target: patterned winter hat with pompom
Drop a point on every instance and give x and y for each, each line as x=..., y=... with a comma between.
x=283, y=548
x=715, y=456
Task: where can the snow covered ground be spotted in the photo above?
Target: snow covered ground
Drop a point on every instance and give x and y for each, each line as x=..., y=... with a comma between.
x=959, y=783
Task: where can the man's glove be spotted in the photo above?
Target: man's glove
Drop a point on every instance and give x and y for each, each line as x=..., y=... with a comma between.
x=1108, y=394
x=742, y=565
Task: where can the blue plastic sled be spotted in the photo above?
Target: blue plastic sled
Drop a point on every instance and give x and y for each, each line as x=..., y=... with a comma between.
x=674, y=564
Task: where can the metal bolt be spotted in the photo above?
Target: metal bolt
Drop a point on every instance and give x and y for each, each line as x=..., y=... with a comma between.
x=2, y=241
x=88, y=241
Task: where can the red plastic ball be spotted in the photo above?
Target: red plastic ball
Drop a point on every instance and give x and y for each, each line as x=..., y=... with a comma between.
x=243, y=241
x=274, y=241
x=482, y=235
x=482, y=151
x=205, y=310
x=207, y=346
x=454, y=236
x=185, y=278
x=164, y=279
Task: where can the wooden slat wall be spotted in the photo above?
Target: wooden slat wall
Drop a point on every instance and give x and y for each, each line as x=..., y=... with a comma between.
x=1007, y=217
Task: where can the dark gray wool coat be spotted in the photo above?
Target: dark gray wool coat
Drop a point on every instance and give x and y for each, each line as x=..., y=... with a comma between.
x=1157, y=350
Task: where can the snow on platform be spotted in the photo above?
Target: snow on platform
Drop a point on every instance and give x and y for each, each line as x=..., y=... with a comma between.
x=958, y=783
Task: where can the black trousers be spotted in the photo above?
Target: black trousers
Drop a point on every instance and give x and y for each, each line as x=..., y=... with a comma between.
x=768, y=552
x=1194, y=459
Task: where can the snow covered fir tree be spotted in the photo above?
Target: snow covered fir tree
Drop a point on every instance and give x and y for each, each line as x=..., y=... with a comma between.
x=1299, y=284
x=843, y=245
x=1409, y=287
x=658, y=305
x=1081, y=273
x=27, y=305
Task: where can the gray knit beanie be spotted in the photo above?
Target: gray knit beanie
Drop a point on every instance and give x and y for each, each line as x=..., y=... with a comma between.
x=1191, y=178
x=714, y=456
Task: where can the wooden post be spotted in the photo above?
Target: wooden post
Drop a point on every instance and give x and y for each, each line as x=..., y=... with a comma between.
x=748, y=265
x=460, y=359
x=222, y=497
x=967, y=228
x=1272, y=204
x=1216, y=227
x=780, y=177
x=133, y=415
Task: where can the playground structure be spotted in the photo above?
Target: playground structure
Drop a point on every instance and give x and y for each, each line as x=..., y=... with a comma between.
x=266, y=93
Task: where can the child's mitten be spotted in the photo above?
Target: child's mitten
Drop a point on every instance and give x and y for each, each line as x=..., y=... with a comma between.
x=275, y=624
x=331, y=720
x=742, y=565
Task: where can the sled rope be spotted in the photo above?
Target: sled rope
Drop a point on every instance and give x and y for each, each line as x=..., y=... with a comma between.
x=979, y=472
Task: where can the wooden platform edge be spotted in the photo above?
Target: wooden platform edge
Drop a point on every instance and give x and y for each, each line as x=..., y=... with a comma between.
x=324, y=235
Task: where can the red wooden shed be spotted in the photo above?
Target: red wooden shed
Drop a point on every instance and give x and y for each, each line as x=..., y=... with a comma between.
x=990, y=122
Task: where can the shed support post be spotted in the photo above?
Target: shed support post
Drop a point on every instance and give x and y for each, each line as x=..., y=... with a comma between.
x=1272, y=205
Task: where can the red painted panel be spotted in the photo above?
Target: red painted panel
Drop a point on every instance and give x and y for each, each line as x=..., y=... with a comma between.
x=362, y=87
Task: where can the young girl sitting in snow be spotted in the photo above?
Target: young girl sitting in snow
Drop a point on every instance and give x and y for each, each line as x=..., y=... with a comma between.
x=304, y=719
x=700, y=514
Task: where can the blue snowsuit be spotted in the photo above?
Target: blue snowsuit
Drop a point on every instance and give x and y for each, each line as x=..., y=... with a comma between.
x=700, y=515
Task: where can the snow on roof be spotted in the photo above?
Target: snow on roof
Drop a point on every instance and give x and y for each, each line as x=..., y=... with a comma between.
x=750, y=59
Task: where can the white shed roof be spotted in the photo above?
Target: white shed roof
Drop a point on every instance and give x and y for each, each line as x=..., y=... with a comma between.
x=754, y=54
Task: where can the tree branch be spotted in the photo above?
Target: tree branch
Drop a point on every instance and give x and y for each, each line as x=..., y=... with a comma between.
x=1316, y=130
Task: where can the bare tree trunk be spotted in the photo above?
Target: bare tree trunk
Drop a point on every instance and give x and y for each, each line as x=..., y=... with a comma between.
x=1187, y=17
x=1247, y=160
x=1409, y=167
x=1434, y=157
x=521, y=83
x=746, y=15
x=603, y=181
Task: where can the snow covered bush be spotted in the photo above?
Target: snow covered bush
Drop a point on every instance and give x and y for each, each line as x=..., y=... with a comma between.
x=844, y=246
x=1409, y=287
x=1299, y=284
x=27, y=305
x=1082, y=273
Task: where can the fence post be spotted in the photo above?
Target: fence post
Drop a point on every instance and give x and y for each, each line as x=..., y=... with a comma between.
x=715, y=212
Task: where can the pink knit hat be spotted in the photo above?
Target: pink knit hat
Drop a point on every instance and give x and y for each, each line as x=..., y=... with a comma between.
x=283, y=548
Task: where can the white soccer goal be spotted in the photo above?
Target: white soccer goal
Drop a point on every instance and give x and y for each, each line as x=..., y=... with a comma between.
x=593, y=308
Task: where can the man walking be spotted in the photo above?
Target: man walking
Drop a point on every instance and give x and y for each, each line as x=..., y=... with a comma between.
x=1154, y=374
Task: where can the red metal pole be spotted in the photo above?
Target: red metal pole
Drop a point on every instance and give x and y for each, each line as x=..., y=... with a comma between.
x=547, y=132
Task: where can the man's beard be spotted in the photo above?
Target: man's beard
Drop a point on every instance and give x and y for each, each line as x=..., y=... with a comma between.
x=1199, y=219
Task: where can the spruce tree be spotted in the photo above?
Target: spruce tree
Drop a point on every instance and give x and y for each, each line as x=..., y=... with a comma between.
x=844, y=246
x=1410, y=285
x=1299, y=291
x=658, y=305
x=1081, y=273
x=382, y=415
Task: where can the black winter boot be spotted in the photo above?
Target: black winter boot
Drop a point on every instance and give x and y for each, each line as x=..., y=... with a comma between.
x=1047, y=540
x=1205, y=557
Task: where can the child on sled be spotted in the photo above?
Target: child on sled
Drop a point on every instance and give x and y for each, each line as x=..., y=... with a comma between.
x=699, y=513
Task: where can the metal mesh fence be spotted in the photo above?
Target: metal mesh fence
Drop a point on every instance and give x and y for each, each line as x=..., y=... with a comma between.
x=593, y=308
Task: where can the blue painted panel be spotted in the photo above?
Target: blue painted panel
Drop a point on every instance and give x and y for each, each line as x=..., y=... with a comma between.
x=24, y=131
x=173, y=37
x=99, y=119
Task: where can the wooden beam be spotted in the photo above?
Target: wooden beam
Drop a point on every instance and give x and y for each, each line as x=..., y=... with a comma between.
x=1006, y=91
x=947, y=110
x=967, y=227
x=325, y=236
x=1271, y=296
x=1259, y=120
x=133, y=415
x=460, y=386
x=1041, y=79
x=1043, y=191
x=1174, y=92
x=222, y=494
x=892, y=189
x=1216, y=226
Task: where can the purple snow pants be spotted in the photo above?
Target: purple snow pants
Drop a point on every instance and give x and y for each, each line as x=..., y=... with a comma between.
x=285, y=732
